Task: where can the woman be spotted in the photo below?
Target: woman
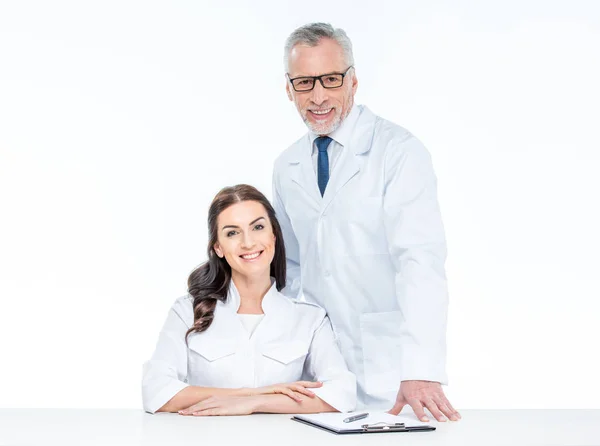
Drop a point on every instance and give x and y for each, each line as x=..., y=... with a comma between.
x=235, y=345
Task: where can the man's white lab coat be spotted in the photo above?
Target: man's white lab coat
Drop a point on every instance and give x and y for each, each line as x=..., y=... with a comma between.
x=371, y=251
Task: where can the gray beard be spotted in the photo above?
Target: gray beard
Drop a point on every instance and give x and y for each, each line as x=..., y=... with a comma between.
x=324, y=130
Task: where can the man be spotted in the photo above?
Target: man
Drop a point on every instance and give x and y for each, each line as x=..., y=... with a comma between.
x=356, y=198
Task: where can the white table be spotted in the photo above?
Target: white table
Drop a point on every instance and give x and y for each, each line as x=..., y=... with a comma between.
x=133, y=427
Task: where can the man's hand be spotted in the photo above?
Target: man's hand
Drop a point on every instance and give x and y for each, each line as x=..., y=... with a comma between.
x=223, y=405
x=421, y=394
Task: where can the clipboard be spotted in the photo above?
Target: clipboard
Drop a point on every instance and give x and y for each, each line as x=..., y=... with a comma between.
x=378, y=422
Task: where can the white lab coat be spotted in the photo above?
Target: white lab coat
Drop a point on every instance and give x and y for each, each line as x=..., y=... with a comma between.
x=371, y=251
x=293, y=341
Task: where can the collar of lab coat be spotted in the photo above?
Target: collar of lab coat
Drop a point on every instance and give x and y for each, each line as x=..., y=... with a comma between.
x=270, y=303
x=343, y=133
x=359, y=130
x=224, y=335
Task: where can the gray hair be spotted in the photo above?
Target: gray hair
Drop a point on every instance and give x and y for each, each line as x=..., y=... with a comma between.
x=311, y=34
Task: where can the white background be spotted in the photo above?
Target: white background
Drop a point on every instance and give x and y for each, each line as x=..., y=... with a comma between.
x=120, y=120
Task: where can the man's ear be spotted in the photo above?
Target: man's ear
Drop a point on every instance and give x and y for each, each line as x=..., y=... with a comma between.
x=288, y=91
x=354, y=83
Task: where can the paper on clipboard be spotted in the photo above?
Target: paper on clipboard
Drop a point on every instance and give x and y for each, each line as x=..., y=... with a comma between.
x=334, y=421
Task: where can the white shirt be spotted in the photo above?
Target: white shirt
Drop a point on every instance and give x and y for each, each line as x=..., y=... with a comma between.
x=340, y=138
x=250, y=321
x=293, y=341
x=370, y=251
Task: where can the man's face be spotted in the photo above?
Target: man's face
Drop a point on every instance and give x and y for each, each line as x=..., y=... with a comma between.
x=322, y=109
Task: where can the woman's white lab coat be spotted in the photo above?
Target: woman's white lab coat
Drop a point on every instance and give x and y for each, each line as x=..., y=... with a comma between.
x=293, y=341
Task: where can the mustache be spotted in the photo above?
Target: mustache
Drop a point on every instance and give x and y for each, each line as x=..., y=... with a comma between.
x=320, y=108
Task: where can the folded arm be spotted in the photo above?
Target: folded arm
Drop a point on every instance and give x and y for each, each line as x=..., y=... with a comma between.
x=191, y=395
x=246, y=405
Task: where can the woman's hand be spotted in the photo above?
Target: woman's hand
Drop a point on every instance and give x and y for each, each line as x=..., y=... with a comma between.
x=293, y=390
x=245, y=401
x=223, y=405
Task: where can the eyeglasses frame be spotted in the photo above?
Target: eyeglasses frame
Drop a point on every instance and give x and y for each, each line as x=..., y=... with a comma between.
x=314, y=78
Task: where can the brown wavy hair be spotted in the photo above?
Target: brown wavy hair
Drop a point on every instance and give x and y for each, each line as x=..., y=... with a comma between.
x=210, y=282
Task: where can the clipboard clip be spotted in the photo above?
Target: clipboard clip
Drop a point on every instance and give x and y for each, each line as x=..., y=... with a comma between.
x=384, y=427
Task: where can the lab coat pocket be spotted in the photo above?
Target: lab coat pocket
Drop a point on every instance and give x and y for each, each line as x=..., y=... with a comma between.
x=284, y=362
x=210, y=361
x=380, y=334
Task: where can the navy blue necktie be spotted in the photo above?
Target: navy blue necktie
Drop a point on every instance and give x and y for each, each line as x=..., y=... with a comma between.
x=323, y=162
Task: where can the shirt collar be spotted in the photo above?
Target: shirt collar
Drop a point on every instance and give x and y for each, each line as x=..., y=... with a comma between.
x=233, y=296
x=342, y=134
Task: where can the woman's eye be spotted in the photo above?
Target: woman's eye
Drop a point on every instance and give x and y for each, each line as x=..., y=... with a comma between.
x=231, y=233
x=259, y=227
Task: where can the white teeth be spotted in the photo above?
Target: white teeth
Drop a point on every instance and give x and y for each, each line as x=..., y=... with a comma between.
x=321, y=112
x=251, y=256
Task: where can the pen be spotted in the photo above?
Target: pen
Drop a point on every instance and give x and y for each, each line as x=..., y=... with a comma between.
x=360, y=416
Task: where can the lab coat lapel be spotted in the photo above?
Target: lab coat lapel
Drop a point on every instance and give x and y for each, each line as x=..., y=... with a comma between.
x=278, y=316
x=350, y=158
x=348, y=167
x=302, y=172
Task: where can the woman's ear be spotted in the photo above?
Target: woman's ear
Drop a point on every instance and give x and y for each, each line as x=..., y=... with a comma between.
x=217, y=249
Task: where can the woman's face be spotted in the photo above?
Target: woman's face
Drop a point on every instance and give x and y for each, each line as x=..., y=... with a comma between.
x=245, y=238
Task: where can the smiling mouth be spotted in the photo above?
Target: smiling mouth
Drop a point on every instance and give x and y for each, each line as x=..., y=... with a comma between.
x=320, y=114
x=252, y=255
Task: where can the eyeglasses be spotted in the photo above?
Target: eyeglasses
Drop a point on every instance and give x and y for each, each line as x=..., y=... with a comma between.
x=307, y=83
